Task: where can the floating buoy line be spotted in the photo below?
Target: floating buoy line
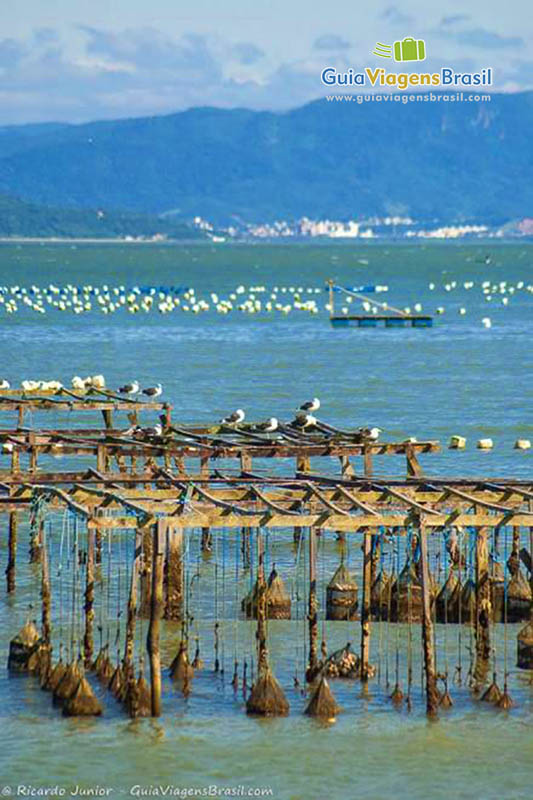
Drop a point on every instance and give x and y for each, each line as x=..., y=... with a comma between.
x=259, y=300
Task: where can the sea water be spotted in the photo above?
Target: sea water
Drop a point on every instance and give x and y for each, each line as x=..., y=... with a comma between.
x=456, y=378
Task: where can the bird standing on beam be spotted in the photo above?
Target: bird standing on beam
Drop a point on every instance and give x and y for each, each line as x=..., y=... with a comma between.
x=311, y=406
x=130, y=388
x=153, y=391
x=235, y=418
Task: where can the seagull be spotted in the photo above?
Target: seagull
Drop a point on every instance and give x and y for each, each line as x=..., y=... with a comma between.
x=311, y=405
x=4, y=384
x=268, y=426
x=153, y=391
x=131, y=431
x=235, y=418
x=157, y=430
x=98, y=381
x=130, y=388
x=304, y=420
x=370, y=433
x=77, y=382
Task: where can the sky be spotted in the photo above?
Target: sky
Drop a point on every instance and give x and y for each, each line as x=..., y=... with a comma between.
x=80, y=60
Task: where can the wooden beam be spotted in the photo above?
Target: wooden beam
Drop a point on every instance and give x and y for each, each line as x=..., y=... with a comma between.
x=88, y=637
x=155, y=615
x=262, y=651
x=12, y=553
x=129, y=644
x=365, y=606
x=313, y=608
x=46, y=595
x=432, y=695
x=483, y=609
x=174, y=574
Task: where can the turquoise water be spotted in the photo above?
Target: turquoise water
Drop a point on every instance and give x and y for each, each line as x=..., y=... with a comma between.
x=457, y=378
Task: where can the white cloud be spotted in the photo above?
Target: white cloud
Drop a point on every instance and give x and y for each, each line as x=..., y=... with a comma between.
x=142, y=71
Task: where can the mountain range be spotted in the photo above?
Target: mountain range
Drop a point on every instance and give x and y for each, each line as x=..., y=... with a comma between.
x=453, y=161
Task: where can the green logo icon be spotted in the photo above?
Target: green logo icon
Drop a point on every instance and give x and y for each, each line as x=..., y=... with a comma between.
x=382, y=50
x=407, y=49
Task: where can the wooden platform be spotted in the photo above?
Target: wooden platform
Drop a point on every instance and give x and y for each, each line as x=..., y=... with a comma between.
x=385, y=320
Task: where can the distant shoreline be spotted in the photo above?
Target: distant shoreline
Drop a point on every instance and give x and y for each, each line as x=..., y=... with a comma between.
x=290, y=240
x=93, y=240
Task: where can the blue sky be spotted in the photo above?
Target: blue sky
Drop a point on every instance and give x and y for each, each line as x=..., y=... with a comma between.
x=76, y=60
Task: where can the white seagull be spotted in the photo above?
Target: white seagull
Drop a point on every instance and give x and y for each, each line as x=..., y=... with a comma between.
x=235, y=418
x=29, y=386
x=153, y=391
x=311, y=405
x=157, y=430
x=4, y=384
x=77, y=382
x=268, y=426
x=304, y=420
x=130, y=388
x=98, y=381
x=370, y=433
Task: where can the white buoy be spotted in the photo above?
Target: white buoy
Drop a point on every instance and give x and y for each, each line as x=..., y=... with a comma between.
x=522, y=444
x=457, y=443
x=485, y=444
x=486, y=322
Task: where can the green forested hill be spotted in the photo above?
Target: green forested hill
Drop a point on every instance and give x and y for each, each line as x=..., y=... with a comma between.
x=453, y=161
x=19, y=218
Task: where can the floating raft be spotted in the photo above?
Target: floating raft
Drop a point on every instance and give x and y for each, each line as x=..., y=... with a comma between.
x=375, y=320
x=382, y=313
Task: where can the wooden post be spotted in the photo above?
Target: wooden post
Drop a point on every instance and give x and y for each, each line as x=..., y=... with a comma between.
x=36, y=543
x=347, y=470
x=132, y=603
x=174, y=575
x=365, y=605
x=204, y=466
x=206, y=541
x=303, y=465
x=331, y=300
x=262, y=652
x=33, y=451
x=367, y=460
x=146, y=571
x=312, y=616
x=108, y=418
x=246, y=461
x=88, y=636
x=413, y=465
x=45, y=593
x=483, y=608
x=156, y=613
x=12, y=552
x=531, y=552
x=98, y=541
x=432, y=695
x=245, y=547
x=101, y=452
x=15, y=460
